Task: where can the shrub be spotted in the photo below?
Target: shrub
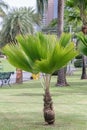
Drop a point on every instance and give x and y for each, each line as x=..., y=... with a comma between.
x=78, y=56
x=78, y=63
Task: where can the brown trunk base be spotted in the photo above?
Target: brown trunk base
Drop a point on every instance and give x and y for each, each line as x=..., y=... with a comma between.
x=19, y=76
x=49, y=114
x=62, y=84
x=61, y=79
x=83, y=77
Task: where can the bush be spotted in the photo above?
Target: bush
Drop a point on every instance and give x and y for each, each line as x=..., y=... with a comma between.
x=78, y=63
x=78, y=56
x=55, y=73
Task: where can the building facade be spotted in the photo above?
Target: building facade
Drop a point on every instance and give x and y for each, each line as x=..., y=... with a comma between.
x=52, y=11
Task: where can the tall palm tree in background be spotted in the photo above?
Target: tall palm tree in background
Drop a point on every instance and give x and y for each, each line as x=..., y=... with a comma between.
x=18, y=21
x=42, y=53
x=61, y=80
x=81, y=6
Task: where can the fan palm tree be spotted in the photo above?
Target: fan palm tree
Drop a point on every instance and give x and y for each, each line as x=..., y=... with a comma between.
x=18, y=21
x=81, y=6
x=41, y=53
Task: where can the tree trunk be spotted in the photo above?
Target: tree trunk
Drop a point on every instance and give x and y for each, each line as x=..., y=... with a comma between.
x=49, y=114
x=83, y=76
x=60, y=17
x=19, y=76
x=61, y=79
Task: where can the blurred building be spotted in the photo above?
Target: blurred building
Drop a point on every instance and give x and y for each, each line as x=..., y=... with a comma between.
x=51, y=11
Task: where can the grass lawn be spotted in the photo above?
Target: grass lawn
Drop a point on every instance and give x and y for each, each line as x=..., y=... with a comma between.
x=21, y=106
x=6, y=67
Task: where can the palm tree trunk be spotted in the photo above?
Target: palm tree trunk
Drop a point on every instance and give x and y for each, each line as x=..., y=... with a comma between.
x=19, y=76
x=83, y=76
x=49, y=114
x=61, y=79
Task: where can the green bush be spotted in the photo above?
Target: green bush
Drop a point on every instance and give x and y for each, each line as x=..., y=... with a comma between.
x=78, y=56
x=78, y=63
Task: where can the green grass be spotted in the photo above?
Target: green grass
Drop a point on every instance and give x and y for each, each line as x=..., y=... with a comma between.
x=6, y=67
x=21, y=106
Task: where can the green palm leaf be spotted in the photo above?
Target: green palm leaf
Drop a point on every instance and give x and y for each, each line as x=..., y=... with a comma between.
x=82, y=38
x=83, y=45
x=40, y=53
x=65, y=39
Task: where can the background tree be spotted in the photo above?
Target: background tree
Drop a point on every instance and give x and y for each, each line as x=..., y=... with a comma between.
x=81, y=6
x=72, y=18
x=18, y=21
x=61, y=80
x=42, y=53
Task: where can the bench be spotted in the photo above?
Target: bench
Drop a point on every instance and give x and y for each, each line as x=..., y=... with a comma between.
x=5, y=78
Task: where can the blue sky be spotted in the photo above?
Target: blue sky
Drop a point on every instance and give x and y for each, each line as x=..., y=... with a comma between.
x=21, y=3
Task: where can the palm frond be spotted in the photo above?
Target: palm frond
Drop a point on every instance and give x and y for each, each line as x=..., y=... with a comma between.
x=65, y=39
x=14, y=53
x=82, y=38
x=40, y=53
x=60, y=57
x=83, y=45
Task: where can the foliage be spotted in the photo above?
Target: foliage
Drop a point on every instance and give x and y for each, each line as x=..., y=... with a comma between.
x=79, y=7
x=78, y=63
x=53, y=23
x=72, y=18
x=83, y=44
x=18, y=21
x=40, y=53
x=78, y=56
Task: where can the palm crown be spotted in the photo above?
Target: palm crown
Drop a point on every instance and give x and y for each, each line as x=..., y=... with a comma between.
x=40, y=52
x=83, y=44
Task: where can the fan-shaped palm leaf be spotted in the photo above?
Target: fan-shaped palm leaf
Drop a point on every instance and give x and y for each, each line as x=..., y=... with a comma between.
x=40, y=53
